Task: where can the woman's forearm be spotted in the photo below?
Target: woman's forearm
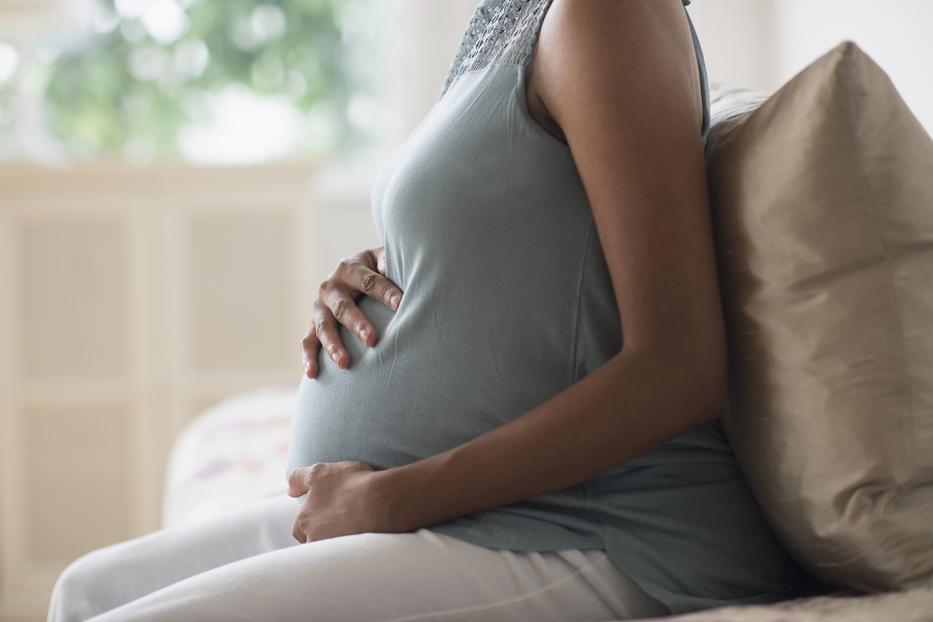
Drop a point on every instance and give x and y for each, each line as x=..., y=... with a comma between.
x=627, y=406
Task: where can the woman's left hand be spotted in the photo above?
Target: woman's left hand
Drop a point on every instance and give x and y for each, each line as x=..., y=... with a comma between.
x=343, y=498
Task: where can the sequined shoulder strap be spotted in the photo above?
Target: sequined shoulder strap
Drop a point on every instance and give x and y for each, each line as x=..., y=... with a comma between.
x=505, y=31
x=500, y=31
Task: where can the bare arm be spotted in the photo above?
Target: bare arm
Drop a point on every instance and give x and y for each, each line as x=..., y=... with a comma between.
x=620, y=79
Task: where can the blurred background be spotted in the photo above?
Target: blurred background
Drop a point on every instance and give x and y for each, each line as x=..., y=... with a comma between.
x=177, y=176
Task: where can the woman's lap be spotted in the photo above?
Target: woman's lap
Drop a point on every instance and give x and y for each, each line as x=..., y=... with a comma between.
x=247, y=567
x=114, y=575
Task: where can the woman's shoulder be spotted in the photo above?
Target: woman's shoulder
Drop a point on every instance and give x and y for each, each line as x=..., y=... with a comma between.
x=616, y=46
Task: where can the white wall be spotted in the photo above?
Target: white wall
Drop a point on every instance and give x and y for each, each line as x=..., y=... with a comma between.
x=738, y=40
x=896, y=34
x=763, y=43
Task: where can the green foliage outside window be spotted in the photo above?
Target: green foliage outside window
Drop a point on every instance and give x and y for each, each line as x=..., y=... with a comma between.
x=141, y=78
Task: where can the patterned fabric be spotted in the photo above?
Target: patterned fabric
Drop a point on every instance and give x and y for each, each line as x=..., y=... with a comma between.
x=233, y=453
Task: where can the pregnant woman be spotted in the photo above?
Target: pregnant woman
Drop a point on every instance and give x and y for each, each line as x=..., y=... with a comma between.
x=476, y=437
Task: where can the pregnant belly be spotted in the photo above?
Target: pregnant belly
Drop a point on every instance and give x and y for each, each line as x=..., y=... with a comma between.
x=397, y=402
x=430, y=383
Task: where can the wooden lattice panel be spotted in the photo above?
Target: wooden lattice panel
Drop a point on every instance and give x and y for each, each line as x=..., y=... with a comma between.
x=241, y=290
x=77, y=479
x=73, y=299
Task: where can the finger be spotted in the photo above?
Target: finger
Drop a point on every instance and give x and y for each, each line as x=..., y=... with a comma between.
x=298, y=533
x=377, y=286
x=298, y=482
x=310, y=346
x=326, y=328
x=380, y=255
x=345, y=311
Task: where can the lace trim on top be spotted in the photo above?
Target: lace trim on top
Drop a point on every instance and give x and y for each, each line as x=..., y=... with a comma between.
x=500, y=31
x=505, y=31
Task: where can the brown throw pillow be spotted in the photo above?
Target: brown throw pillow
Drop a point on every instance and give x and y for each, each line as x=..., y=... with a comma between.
x=822, y=202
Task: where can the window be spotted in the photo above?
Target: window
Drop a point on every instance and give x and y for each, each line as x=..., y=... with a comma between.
x=212, y=81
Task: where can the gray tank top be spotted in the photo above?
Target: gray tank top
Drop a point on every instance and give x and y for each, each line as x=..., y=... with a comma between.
x=508, y=301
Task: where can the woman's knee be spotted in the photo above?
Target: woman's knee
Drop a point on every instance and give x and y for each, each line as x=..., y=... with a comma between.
x=83, y=589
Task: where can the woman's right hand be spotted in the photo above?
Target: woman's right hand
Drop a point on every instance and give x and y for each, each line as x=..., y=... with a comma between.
x=363, y=273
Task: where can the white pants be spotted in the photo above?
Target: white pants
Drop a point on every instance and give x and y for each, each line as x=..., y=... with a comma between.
x=247, y=566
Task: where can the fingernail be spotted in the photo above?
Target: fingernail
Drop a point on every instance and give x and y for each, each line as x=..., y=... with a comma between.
x=396, y=299
x=364, y=334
